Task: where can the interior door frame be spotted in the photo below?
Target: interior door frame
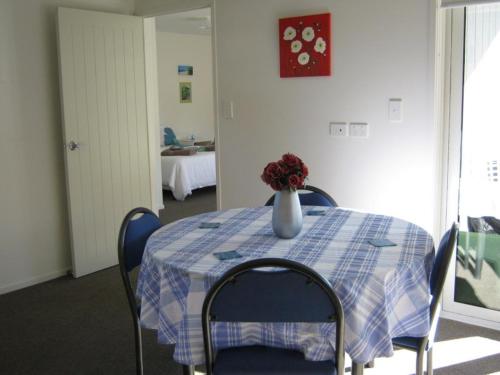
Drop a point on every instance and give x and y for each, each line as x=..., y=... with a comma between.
x=152, y=87
x=452, y=116
x=152, y=112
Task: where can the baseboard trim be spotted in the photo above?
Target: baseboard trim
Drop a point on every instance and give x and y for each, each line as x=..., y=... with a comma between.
x=470, y=320
x=36, y=280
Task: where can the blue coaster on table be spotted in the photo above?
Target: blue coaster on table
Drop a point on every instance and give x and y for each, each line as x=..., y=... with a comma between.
x=383, y=242
x=209, y=225
x=226, y=255
x=316, y=213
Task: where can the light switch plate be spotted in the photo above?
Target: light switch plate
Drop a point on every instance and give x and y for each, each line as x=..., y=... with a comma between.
x=228, y=109
x=395, y=110
x=339, y=129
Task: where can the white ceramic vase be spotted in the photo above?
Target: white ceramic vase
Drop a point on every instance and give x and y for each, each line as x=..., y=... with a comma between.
x=287, y=214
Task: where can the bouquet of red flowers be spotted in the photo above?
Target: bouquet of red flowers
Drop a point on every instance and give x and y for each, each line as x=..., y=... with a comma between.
x=288, y=173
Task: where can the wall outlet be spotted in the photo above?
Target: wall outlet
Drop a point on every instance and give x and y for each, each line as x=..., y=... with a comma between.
x=358, y=129
x=339, y=129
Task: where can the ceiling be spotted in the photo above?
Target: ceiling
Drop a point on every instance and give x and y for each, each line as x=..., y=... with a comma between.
x=196, y=22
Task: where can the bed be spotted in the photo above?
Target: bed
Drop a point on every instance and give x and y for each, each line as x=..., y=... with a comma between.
x=183, y=174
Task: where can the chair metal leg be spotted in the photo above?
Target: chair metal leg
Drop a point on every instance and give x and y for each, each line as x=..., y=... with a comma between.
x=429, y=362
x=357, y=368
x=370, y=364
x=187, y=370
x=420, y=362
x=138, y=348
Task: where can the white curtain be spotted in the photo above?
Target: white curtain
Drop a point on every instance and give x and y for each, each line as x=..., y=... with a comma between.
x=462, y=3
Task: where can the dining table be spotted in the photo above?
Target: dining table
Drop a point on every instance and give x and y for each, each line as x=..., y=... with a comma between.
x=379, y=266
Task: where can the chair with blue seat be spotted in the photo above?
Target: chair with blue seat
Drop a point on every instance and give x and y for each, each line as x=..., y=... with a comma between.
x=293, y=293
x=135, y=230
x=313, y=197
x=421, y=345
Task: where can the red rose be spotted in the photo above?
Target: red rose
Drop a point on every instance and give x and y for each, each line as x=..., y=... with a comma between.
x=274, y=170
x=283, y=167
x=301, y=182
x=305, y=170
x=268, y=166
x=271, y=171
x=276, y=185
x=291, y=160
x=294, y=181
x=266, y=178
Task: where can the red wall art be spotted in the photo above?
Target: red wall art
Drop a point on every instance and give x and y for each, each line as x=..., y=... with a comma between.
x=305, y=46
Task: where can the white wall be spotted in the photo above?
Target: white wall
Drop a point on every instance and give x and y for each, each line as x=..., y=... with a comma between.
x=381, y=49
x=159, y=7
x=186, y=118
x=34, y=238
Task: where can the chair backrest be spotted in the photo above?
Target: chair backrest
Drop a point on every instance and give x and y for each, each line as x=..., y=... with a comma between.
x=315, y=197
x=134, y=232
x=292, y=293
x=131, y=242
x=133, y=236
x=442, y=262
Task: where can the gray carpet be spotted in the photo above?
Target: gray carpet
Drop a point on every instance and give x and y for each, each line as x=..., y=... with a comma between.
x=82, y=326
x=202, y=200
x=74, y=326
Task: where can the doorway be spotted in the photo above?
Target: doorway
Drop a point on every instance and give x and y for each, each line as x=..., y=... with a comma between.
x=186, y=113
x=473, y=290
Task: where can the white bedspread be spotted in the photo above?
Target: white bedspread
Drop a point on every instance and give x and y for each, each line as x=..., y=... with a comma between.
x=183, y=174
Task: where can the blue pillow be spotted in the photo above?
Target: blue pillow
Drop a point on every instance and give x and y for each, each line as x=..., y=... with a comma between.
x=169, y=137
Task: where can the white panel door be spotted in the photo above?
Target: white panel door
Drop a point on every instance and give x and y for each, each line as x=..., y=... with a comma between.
x=105, y=129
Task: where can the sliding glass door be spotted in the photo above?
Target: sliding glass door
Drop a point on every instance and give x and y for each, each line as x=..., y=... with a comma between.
x=474, y=162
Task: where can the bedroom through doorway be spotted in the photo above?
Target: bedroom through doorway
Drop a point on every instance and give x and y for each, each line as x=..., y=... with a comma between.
x=186, y=113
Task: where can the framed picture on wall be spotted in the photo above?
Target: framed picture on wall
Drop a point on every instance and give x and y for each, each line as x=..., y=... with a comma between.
x=305, y=46
x=185, y=70
x=185, y=92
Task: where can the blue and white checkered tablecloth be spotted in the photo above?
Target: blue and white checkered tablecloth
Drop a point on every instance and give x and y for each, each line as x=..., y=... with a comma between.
x=384, y=290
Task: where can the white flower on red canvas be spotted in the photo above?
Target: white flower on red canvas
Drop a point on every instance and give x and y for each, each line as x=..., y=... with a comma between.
x=296, y=46
x=308, y=34
x=289, y=33
x=303, y=58
x=320, y=45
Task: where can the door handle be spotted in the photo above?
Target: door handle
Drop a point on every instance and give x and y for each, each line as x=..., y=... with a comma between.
x=72, y=145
